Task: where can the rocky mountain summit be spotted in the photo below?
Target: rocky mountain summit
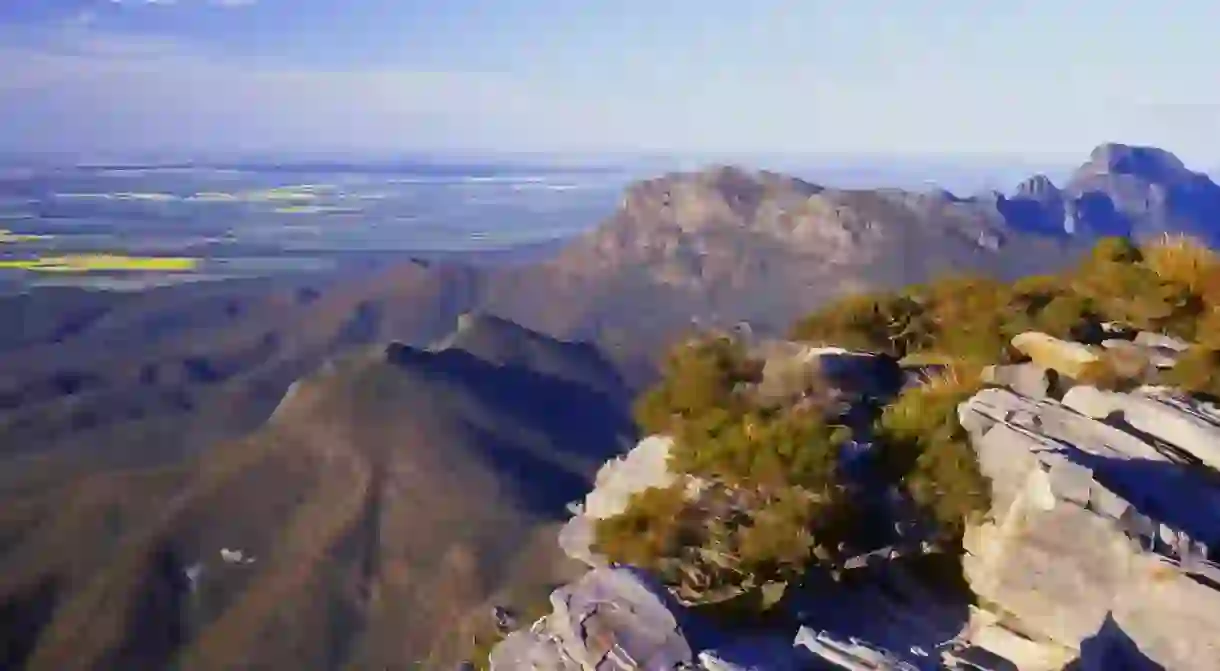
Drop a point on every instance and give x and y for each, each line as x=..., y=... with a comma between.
x=1097, y=551
x=1133, y=191
x=725, y=244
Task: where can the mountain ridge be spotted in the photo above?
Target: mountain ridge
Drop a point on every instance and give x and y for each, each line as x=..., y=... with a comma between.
x=115, y=406
x=392, y=475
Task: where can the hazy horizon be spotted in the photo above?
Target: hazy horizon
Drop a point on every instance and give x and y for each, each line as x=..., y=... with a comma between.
x=963, y=175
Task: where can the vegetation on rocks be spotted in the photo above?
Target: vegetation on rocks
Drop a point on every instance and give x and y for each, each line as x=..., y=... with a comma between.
x=774, y=500
x=924, y=447
x=1198, y=372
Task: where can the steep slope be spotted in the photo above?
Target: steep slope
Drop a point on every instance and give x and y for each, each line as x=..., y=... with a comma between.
x=390, y=495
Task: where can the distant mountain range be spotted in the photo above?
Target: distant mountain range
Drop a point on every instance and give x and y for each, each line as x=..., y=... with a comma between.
x=397, y=488
x=1137, y=192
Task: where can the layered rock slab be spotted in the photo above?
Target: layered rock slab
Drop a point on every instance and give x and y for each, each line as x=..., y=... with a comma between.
x=1082, y=534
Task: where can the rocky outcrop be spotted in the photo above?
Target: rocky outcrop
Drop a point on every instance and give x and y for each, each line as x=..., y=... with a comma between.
x=1027, y=379
x=1097, y=545
x=1096, y=554
x=1178, y=424
x=643, y=467
x=1037, y=204
x=1069, y=358
x=1141, y=192
x=611, y=619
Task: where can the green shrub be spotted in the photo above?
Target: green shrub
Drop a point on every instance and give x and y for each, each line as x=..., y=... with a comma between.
x=656, y=524
x=1197, y=371
x=772, y=483
x=887, y=323
x=698, y=377
x=924, y=447
x=1115, y=250
x=759, y=446
x=1064, y=316
x=1183, y=261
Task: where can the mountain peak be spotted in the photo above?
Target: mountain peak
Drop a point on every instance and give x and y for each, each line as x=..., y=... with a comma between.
x=1150, y=163
x=1039, y=187
x=1141, y=192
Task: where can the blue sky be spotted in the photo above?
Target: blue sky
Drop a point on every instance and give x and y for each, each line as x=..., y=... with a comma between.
x=1037, y=78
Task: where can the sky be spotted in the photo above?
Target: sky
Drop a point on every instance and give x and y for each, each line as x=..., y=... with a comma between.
x=1045, y=79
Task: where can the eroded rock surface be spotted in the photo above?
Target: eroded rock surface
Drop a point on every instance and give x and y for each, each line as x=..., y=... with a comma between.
x=642, y=467
x=1070, y=358
x=1097, y=553
x=1094, y=529
x=611, y=619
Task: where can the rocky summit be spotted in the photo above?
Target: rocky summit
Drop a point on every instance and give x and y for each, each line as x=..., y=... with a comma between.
x=1098, y=551
x=1123, y=190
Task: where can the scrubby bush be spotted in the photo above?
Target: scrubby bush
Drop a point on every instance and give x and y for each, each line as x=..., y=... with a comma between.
x=1067, y=316
x=1115, y=249
x=1183, y=261
x=655, y=525
x=1197, y=371
x=885, y=323
x=699, y=377
x=783, y=447
x=1154, y=290
x=1207, y=328
x=924, y=447
x=771, y=489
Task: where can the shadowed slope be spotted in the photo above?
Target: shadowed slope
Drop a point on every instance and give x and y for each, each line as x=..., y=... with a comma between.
x=390, y=494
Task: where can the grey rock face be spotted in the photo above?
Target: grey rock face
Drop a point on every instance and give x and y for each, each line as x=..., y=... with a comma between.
x=534, y=649
x=1121, y=159
x=771, y=653
x=849, y=655
x=1027, y=379
x=1186, y=427
x=792, y=371
x=1161, y=341
x=1091, y=524
x=1037, y=204
x=643, y=467
x=1157, y=357
x=612, y=619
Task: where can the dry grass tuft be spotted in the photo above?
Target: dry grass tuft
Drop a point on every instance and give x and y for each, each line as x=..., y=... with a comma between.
x=1182, y=260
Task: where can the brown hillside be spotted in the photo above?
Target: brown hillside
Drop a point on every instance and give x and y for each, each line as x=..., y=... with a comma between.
x=390, y=496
